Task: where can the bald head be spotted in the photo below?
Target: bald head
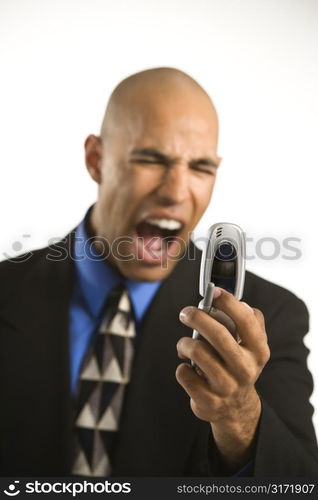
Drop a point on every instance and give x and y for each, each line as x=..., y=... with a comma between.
x=156, y=158
x=149, y=89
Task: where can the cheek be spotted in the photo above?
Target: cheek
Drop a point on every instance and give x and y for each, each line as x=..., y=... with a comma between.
x=201, y=193
x=114, y=197
x=143, y=182
x=116, y=182
x=122, y=191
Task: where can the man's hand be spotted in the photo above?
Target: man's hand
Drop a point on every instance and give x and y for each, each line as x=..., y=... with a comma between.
x=225, y=394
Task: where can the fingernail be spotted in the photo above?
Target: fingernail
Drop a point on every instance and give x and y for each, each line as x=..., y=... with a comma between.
x=217, y=292
x=184, y=314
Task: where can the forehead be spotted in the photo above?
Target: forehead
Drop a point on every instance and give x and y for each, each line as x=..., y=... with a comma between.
x=173, y=127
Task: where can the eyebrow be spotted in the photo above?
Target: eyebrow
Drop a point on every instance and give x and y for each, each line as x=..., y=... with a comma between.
x=209, y=162
x=154, y=153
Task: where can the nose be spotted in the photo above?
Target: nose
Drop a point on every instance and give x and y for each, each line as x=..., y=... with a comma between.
x=174, y=188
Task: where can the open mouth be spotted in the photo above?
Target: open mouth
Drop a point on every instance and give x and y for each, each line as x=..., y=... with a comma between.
x=156, y=238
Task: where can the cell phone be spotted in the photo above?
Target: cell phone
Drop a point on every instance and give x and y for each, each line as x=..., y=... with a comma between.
x=222, y=264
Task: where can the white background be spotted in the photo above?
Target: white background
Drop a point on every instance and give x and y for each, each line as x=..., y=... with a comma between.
x=257, y=59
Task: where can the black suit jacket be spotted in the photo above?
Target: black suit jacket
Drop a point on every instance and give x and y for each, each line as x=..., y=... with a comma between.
x=159, y=435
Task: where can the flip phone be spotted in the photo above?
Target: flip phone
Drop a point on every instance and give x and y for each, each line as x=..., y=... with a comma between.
x=222, y=264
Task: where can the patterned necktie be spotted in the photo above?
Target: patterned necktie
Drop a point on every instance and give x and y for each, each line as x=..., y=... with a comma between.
x=104, y=376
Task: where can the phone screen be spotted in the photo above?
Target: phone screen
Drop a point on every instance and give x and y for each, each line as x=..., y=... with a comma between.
x=224, y=267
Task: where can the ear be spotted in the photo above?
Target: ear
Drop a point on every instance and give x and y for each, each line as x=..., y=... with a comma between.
x=93, y=157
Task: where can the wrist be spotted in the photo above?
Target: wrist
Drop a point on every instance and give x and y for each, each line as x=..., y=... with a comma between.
x=235, y=437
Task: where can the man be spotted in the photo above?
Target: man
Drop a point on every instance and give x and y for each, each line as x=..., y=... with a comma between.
x=155, y=165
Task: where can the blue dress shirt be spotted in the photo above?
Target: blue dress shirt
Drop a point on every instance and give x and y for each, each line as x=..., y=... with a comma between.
x=94, y=279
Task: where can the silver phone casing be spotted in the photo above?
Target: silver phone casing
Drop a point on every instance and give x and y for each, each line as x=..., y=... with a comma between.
x=218, y=234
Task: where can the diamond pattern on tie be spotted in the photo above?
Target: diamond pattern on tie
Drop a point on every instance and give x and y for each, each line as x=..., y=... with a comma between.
x=104, y=376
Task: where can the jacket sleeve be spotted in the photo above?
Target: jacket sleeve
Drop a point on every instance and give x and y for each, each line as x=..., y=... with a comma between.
x=286, y=442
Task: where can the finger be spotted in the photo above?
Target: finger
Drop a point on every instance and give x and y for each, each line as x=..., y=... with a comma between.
x=224, y=319
x=260, y=317
x=215, y=334
x=208, y=361
x=248, y=326
x=195, y=386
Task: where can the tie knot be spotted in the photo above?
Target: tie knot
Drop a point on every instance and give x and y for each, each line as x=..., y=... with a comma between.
x=118, y=306
x=118, y=299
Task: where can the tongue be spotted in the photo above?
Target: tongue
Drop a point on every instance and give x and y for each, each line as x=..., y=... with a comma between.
x=153, y=242
x=152, y=236
x=153, y=245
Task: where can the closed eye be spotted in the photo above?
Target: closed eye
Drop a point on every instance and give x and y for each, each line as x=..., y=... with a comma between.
x=203, y=170
x=147, y=161
x=149, y=156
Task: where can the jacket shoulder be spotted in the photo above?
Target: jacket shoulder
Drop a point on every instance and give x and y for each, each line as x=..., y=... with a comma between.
x=30, y=266
x=18, y=267
x=270, y=297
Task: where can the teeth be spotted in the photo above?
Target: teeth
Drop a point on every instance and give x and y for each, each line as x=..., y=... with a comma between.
x=170, y=224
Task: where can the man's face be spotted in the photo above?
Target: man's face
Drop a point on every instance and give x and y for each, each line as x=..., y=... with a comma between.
x=157, y=172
